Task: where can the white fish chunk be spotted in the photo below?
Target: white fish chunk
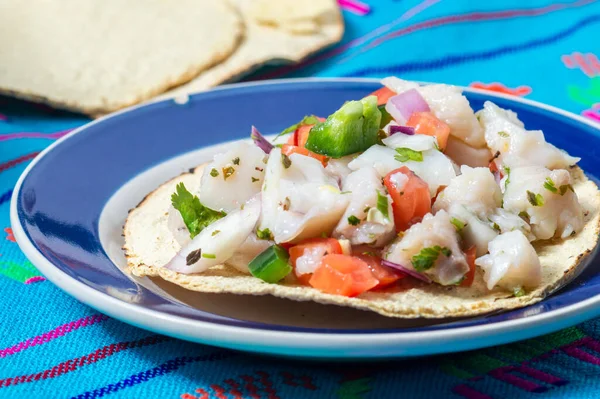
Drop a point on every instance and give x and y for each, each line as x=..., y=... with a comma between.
x=299, y=201
x=518, y=147
x=218, y=241
x=339, y=168
x=432, y=231
x=372, y=227
x=512, y=263
x=507, y=221
x=464, y=154
x=476, y=232
x=416, y=142
x=551, y=212
x=436, y=169
x=475, y=188
x=244, y=163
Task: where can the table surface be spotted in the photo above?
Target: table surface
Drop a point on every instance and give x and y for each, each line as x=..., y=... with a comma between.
x=50, y=343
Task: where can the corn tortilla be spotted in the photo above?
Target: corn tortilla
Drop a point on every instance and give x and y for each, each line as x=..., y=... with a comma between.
x=149, y=245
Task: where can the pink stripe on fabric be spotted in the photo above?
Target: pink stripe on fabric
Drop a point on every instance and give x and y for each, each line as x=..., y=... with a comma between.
x=53, y=334
x=33, y=135
x=468, y=392
x=35, y=279
x=354, y=6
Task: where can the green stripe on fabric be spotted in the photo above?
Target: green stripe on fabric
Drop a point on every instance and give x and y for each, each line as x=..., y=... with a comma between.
x=563, y=337
x=448, y=367
x=479, y=363
x=15, y=271
x=511, y=354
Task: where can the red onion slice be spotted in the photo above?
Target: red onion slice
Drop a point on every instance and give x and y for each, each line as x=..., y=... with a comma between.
x=402, y=129
x=497, y=177
x=261, y=141
x=403, y=105
x=406, y=270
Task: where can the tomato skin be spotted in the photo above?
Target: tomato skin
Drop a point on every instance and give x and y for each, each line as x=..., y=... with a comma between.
x=300, y=135
x=383, y=95
x=410, y=203
x=343, y=275
x=385, y=275
x=288, y=150
x=470, y=253
x=426, y=123
x=293, y=139
x=331, y=245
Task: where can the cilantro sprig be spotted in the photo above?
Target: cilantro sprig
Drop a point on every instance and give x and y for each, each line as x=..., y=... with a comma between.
x=195, y=215
x=535, y=199
x=406, y=154
x=382, y=205
x=426, y=258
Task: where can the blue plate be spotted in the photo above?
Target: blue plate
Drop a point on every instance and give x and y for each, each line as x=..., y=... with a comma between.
x=69, y=206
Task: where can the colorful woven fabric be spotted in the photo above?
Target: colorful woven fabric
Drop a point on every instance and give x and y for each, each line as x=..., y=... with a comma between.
x=53, y=346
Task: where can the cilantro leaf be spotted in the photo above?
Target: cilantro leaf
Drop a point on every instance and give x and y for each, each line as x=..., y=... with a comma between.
x=517, y=292
x=406, y=154
x=195, y=215
x=459, y=224
x=264, y=234
x=549, y=185
x=507, y=172
x=382, y=204
x=503, y=134
x=535, y=199
x=426, y=258
x=563, y=189
x=353, y=220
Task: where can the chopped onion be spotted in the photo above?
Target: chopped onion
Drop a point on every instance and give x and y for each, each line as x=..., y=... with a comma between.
x=402, y=106
x=402, y=129
x=261, y=141
x=406, y=270
x=497, y=177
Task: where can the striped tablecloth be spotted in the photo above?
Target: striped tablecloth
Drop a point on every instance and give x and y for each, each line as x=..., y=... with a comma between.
x=53, y=346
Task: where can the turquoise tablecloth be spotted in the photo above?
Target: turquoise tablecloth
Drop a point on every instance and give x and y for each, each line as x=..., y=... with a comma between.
x=53, y=346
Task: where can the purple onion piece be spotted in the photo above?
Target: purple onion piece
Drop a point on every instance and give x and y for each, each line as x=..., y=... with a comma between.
x=406, y=270
x=261, y=141
x=403, y=105
x=402, y=129
x=497, y=177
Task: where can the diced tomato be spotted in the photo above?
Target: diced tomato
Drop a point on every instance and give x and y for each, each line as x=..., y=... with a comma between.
x=364, y=249
x=426, y=123
x=331, y=246
x=302, y=135
x=293, y=149
x=411, y=202
x=385, y=275
x=383, y=95
x=343, y=275
x=292, y=140
x=471, y=253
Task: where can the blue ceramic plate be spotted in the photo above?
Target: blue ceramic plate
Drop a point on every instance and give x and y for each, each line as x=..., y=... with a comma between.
x=69, y=206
